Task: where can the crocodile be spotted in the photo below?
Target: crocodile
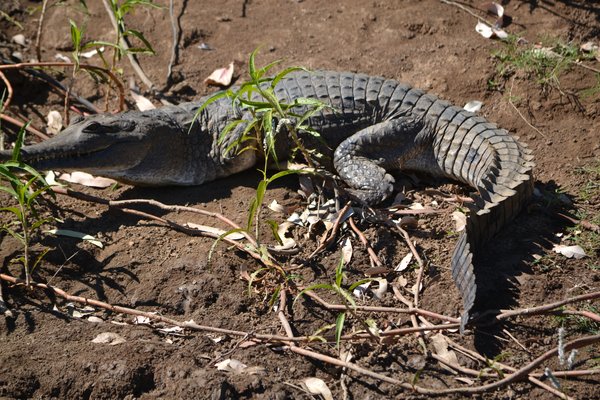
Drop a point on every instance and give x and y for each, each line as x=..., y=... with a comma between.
x=374, y=126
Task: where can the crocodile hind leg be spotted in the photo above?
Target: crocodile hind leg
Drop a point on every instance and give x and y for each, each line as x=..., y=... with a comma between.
x=362, y=159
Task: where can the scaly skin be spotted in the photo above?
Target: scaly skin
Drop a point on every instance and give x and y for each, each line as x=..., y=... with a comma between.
x=375, y=126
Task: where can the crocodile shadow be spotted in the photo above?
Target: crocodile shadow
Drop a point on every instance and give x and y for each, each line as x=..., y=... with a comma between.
x=509, y=256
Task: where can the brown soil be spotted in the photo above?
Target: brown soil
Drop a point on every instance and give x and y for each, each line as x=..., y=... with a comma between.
x=47, y=353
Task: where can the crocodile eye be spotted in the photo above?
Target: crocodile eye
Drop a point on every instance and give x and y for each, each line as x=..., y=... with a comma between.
x=93, y=127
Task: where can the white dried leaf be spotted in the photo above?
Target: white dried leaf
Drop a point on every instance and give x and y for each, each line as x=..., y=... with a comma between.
x=141, y=102
x=440, y=344
x=173, y=330
x=231, y=365
x=95, y=319
x=416, y=206
x=347, y=251
x=288, y=241
x=55, y=122
x=500, y=33
x=495, y=9
x=361, y=290
x=85, y=179
x=484, y=30
x=589, y=47
x=221, y=76
x=19, y=39
x=404, y=263
x=110, y=338
x=316, y=386
x=62, y=58
x=381, y=290
x=275, y=206
x=570, y=251
x=141, y=320
x=216, y=231
x=91, y=53
x=460, y=221
x=74, y=234
x=237, y=367
x=402, y=281
x=473, y=106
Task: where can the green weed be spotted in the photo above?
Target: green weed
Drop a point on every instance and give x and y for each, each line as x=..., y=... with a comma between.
x=25, y=185
x=545, y=62
x=345, y=295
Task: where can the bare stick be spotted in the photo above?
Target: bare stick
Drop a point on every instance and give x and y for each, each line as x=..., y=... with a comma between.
x=365, y=242
x=417, y=257
x=20, y=124
x=38, y=36
x=175, y=33
x=512, y=82
x=504, y=314
x=584, y=223
x=123, y=43
x=410, y=310
x=94, y=68
x=9, y=91
x=465, y=9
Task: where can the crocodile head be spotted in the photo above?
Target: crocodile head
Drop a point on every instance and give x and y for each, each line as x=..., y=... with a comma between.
x=146, y=148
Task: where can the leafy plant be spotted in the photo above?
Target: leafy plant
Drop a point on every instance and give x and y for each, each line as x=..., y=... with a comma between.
x=24, y=184
x=268, y=117
x=345, y=295
x=119, y=9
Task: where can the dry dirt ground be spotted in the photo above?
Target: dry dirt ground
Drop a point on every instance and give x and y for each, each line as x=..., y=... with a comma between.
x=46, y=351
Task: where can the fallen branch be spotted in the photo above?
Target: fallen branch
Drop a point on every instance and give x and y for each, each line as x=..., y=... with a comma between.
x=100, y=70
x=504, y=314
x=365, y=242
x=20, y=124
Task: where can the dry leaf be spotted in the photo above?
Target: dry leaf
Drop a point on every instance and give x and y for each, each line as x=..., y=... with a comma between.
x=473, y=106
x=55, y=123
x=317, y=386
x=142, y=103
x=361, y=290
x=91, y=53
x=288, y=241
x=110, y=338
x=221, y=76
x=484, y=30
x=216, y=231
x=569, y=251
x=409, y=222
x=404, y=263
x=589, y=47
x=85, y=179
x=495, y=9
x=440, y=344
x=381, y=289
x=238, y=367
x=347, y=251
x=487, y=31
x=19, y=39
x=74, y=234
x=95, y=319
x=460, y=220
x=275, y=206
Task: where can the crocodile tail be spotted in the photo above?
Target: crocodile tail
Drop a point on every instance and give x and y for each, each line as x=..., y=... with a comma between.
x=470, y=149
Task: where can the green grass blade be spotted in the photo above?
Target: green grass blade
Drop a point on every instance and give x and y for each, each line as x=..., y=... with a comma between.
x=339, y=327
